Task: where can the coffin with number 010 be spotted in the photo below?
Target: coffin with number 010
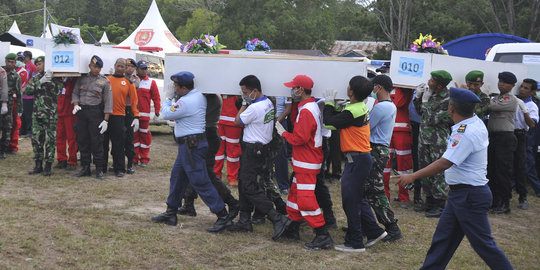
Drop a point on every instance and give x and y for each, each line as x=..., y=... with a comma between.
x=221, y=73
x=408, y=69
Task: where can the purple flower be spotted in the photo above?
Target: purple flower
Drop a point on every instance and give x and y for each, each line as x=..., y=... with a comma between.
x=414, y=48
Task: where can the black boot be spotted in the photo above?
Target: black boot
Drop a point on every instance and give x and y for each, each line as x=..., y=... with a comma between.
x=281, y=207
x=130, y=169
x=394, y=233
x=2, y=155
x=168, y=217
x=420, y=206
x=243, y=224
x=503, y=208
x=47, y=169
x=187, y=209
x=293, y=231
x=37, y=169
x=280, y=222
x=322, y=240
x=61, y=164
x=437, y=208
x=223, y=222
x=85, y=171
x=258, y=218
x=234, y=208
x=100, y=173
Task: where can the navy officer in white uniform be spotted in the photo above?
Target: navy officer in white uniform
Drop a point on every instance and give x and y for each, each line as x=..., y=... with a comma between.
x=189, y=113
x=465, y=168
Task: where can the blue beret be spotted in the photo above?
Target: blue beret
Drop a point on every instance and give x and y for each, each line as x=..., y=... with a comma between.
x=131, y=61
x=142, y=64
x=463, y=95
x=97, y=61
x=182, y=77
x=507, y=77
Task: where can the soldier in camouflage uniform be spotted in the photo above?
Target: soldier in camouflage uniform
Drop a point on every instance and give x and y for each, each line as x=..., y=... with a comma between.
x=45, y=90
x=13, y=91
x=432, y=105
x=5, y=118
x=475, y=80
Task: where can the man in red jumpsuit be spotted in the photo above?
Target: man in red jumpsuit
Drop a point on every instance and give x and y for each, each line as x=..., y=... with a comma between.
x=401, y=143
x=230, y=140
x=146, y=93
x=65, y=132
x=14, y=142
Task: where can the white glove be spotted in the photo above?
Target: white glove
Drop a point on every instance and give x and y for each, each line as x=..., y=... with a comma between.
x=280, y=129
x=19, y=114
x=427, y=94
x=76, y=108
x=135, y=124
x=420, y=89
x=103, y=126
x=4, y=109
x=341, y=102
x=521, y=105
x=330, y=95
x=47, y=77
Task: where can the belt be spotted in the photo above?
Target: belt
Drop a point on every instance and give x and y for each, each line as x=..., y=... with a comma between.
x=89, y=106
x=459, y=186
x=184, y=139
x=378, y=144
x=352, y=154
x=520, y=131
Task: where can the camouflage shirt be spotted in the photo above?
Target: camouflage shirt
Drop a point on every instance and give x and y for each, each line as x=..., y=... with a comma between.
x=436, y=121
x=482, y=108
x=45, y=96
x=14, y=90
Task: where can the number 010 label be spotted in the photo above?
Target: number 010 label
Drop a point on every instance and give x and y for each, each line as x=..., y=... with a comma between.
x=62, y=59
x=412, y=67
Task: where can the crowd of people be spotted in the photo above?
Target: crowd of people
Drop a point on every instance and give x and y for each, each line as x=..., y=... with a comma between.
x=414, y=134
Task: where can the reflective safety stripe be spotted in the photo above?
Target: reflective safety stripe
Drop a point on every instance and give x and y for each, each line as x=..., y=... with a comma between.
x=233, y=159
x=403, y=125
x=292, y=205
x=229, y=140
x=403, y=152
x=144, y=114
x=223, y=138
x=145, y=146
x=391, y=150
x=404, y=172
x=387, y=170
x=311, y=213
x=226, y=118
x=137, y=144
x=220, y=157
x=305, y=186
x=294, y=179
x=305, y=165
x=143, y=130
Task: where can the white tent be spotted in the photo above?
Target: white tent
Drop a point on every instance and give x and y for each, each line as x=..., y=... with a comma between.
x=14, y=28
x=152, y=34
x=104, y=38
x=47, y=34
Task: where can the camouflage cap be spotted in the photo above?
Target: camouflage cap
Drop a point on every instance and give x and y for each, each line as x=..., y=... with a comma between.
x=475, y=76
x=442, y=77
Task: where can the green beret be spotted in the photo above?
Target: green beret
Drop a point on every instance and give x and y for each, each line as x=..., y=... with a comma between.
x=11, y=56
x=39, y=59
x=442, y=77
x=475, y=76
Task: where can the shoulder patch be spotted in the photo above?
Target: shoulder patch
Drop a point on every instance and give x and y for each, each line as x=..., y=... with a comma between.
x=502, y=99
x=455, y=143
x=462, y=128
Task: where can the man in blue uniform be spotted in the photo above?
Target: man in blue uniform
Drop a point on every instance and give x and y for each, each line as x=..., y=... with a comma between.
x=465, y=165
x=189, y=114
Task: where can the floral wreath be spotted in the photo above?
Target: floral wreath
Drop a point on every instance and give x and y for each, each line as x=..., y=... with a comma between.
x=204, y=44
x=256, y=45
x=427, y=44
x=65, y=37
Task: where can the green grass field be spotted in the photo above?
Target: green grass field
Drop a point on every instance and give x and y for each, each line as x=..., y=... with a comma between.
x=62, y=222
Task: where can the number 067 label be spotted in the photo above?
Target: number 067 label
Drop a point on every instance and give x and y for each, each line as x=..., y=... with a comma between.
x=412, y=67
x=62, y=59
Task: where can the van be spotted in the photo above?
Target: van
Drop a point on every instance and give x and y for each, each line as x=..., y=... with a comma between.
x=525, y=53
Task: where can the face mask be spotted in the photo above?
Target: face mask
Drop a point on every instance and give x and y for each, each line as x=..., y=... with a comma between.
x=247, y=98
x=295, y=97
x=373, y=94
x=537, y=94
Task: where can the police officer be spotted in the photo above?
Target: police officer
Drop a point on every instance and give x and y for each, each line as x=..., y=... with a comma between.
x=464, y=163
x=45, y=90
x=190, y=167
x=129, y=146
x=92, y=100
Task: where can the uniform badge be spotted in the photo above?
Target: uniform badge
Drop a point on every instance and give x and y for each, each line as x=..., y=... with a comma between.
x=123, y=83
x=502, y=99
x=462, y=128
x=455, y=143
x=457, y=136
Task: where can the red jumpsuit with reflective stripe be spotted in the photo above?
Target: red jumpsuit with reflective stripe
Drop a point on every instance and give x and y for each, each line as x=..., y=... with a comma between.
x=65, y=127
x=229, y=148
x=307, y=158
x=14, y=140
x=401, y=143
x=146, y=93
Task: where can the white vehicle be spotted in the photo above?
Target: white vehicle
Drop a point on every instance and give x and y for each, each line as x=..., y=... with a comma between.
x=524, y=53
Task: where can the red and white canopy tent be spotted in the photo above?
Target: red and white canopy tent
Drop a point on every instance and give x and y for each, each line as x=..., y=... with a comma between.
x=152, y=35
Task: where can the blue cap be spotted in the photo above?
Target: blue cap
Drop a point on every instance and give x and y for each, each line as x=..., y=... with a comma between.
x=463, y=95
x=131, y=61
x=142, y=64
x=20, y=55
x=97, y=61
x=182, y=77
x=507, y=77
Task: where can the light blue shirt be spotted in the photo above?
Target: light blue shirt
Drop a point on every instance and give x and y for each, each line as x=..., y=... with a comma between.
x=188, y=113
x=413, y=115
x=467, y=148
x=280, y=105
x=381, y=122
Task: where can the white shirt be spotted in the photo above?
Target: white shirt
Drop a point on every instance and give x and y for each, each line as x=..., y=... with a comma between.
x=519, y=120
x=258, y=120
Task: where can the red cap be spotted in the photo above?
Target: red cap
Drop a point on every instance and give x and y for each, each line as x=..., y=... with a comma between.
x=300, y=81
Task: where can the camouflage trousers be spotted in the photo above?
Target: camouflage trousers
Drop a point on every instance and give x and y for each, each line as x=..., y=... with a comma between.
x=5, y=130
x=44, y=138
x=433, y=186
x=374, y=187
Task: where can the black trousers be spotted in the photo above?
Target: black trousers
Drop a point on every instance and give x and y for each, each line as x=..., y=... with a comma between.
x=501, y=165
x=321, y=190
x=520, y=164
x=130, y=137
x=116, y=133
x=418, y=182
x=224, y=192
x=335, y=156
x=252, y=167
x=89, y=140
x=26, y=119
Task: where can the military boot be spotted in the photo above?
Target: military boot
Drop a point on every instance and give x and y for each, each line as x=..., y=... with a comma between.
x=243, y=224
x=130, y=169
x=322, y=240
x=421, y=206
x=258, y=218
x=293, y=231
x=437, y=208
x=394, y=233
x=234, y=208
x=61, y=164
x=168, y=217
x=100, y=173
x=47, y=169
x=187, y=209
x=37, y=169
x=223, y=222
x=85, y=171
x=280, y=222
x=503, y=208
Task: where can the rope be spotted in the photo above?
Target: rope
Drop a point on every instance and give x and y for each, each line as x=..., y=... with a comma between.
x=22, y=13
